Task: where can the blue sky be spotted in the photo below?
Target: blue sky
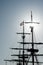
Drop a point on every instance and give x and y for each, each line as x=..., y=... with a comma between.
x=12, y=13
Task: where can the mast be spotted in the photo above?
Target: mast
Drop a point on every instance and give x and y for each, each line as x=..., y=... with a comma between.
x=32, y=40
x=23, y=42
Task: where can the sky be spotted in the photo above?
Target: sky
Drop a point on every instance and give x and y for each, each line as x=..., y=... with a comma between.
x=12, y=13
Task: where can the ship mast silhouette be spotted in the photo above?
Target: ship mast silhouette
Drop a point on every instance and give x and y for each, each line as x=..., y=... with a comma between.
x=24, y=59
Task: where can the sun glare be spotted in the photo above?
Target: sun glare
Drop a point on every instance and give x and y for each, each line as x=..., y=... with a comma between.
x=34, y=25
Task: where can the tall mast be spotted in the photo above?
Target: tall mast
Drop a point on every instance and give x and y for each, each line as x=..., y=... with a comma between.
x=23, y=42
x=32, y=39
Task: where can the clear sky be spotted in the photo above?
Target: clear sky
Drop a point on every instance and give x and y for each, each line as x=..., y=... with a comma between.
x=12, y=13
